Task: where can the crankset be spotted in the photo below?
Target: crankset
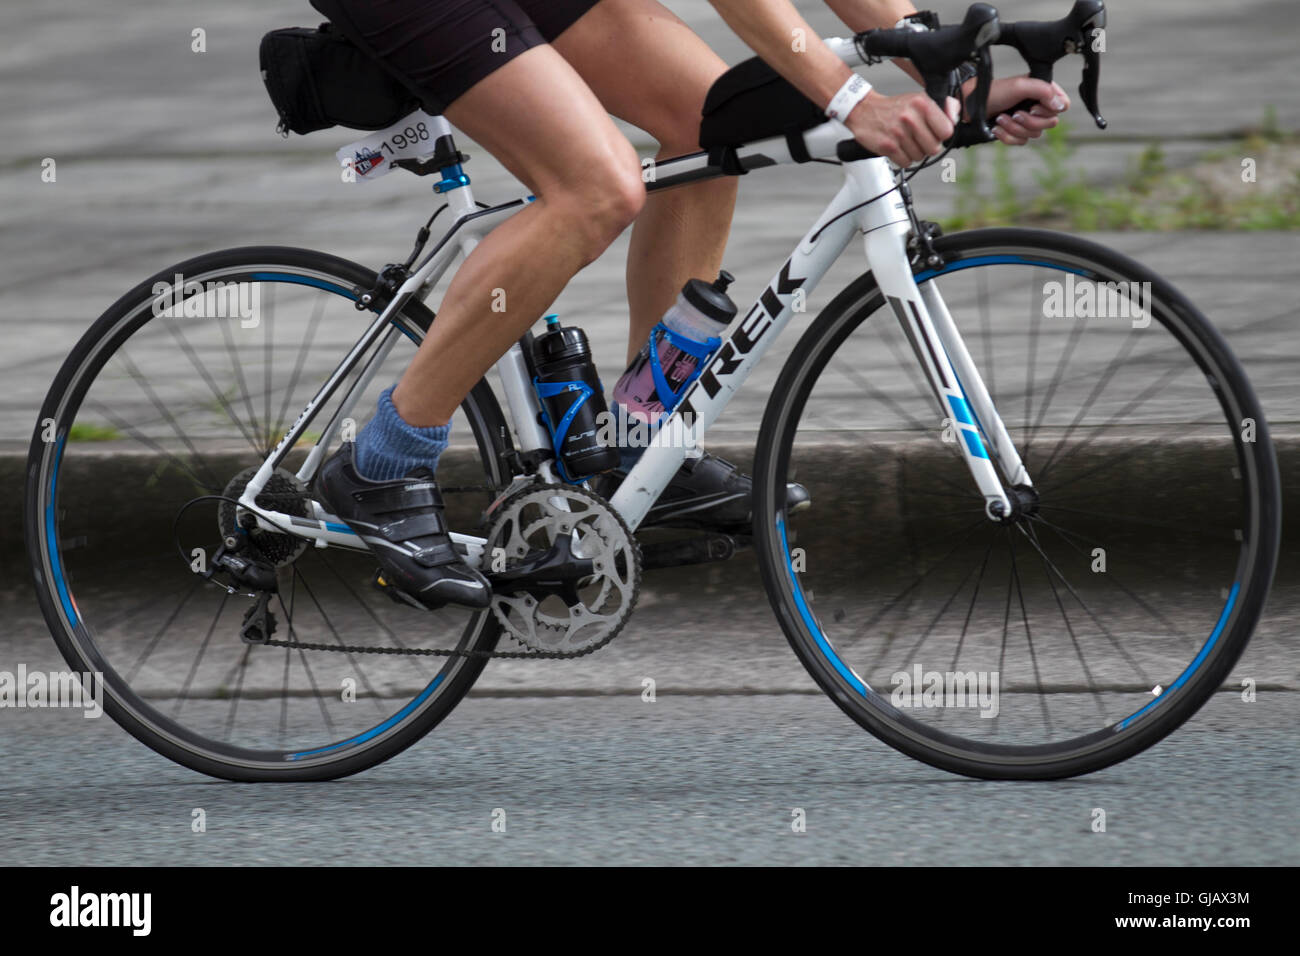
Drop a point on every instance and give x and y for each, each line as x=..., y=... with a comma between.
x=564, y=567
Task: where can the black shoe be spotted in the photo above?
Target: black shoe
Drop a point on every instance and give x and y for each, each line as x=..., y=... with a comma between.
x=707, y=493
x=402, y=521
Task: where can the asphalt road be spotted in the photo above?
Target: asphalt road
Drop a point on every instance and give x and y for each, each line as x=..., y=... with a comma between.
x=683, y=780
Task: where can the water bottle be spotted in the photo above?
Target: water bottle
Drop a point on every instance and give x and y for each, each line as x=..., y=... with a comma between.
x=677, y=349
x=573, y=401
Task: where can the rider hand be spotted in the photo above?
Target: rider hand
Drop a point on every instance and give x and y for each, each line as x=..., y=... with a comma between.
x=1020, y=127
x=906, y=128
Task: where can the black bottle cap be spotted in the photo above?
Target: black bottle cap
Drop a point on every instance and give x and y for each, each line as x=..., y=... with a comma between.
x=711, y=297
x=560, y=345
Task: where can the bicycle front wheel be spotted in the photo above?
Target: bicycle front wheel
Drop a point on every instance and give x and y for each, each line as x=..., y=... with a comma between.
x=180, y=390
x=1102, y=617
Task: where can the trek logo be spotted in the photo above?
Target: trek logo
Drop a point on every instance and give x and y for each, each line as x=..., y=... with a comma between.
x=755, y=325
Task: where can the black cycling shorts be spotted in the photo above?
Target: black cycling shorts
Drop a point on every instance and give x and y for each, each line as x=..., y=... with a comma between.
x=440, y=48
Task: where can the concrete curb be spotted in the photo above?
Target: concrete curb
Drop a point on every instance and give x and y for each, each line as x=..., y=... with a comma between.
x=876, y=487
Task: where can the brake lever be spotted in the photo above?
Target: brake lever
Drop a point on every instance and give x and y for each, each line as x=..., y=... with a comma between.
x=1091, y=80
x=975, y=129
x=1041, y=44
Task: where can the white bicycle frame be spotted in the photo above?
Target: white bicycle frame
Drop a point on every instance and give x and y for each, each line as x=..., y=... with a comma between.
x=870, y=202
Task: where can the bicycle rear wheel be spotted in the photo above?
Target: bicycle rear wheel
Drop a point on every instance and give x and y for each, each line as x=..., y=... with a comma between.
x=1094, y=624
x=164, y=400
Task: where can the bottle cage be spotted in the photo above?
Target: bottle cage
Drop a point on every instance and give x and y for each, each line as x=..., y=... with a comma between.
x=701, y=350
x=561, y=429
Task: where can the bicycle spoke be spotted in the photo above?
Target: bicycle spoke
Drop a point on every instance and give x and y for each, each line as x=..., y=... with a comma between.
x=965, y=626
x=194, y=668
x=237, y=367
x=1093, y=689
x=268, y=321
x=134, y=371
x=139, y=436
x=317, y=312
x=907, y=661
x=240, y=667
x=1064, y=534
x=1035, y=316
x=388, y=631
x=1096, y=620
x=881, y=612
x=306, y=666
x=374, y=694
x=188, y=350
x=1029, y=636
x=135, y=670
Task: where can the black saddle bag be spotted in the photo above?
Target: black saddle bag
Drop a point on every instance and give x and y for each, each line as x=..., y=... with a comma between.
x=317, y=78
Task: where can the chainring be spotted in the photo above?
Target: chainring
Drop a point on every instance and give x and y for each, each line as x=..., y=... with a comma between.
x=587, y=613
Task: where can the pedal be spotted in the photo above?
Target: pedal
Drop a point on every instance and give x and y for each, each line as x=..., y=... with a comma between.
x=701, y=549
x=259, y=622
x=397, y=595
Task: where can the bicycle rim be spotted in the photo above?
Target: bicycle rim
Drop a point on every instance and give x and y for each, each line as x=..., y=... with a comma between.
x=154, y=409
x=1075, y=636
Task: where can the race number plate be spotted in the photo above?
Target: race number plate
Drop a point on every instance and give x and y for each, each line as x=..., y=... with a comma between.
x=411, y=137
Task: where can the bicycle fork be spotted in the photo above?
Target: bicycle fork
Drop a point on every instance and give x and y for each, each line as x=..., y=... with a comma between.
x=949, y=369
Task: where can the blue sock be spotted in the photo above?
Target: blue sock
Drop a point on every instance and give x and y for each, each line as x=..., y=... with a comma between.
x=388, y=447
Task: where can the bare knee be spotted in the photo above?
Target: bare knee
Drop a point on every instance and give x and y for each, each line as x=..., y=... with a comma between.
x=609, y=198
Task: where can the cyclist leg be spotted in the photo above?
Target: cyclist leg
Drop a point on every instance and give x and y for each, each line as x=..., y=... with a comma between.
x=532, y=111
x=539, y=119
x=649, y=68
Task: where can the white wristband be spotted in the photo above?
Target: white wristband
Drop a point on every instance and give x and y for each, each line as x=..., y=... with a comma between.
x=853, y=92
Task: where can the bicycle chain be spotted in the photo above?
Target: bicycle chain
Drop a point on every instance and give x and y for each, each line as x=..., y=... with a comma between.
x=432, y=651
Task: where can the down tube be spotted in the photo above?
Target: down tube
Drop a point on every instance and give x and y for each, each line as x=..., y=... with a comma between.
x=743, y=345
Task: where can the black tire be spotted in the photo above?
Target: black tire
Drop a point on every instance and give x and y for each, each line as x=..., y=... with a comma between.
x=1252, y=511
x=47, y=532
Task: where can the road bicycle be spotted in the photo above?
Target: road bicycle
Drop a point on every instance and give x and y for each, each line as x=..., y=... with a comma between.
x=1043, y=523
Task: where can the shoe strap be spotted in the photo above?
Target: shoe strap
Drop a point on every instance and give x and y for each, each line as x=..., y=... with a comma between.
x=444, y=552
x=413, y=496
x=413, y=526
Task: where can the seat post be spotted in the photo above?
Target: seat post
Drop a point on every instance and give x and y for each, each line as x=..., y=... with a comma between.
x=449, y=163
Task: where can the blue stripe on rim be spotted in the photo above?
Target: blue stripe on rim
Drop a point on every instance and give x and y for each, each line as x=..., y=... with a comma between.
x=959, y=264
x=1195, y=664
x=51, y=541
x=392, y=721
x=320, y=284
x=816, y=630
x=843, y=669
